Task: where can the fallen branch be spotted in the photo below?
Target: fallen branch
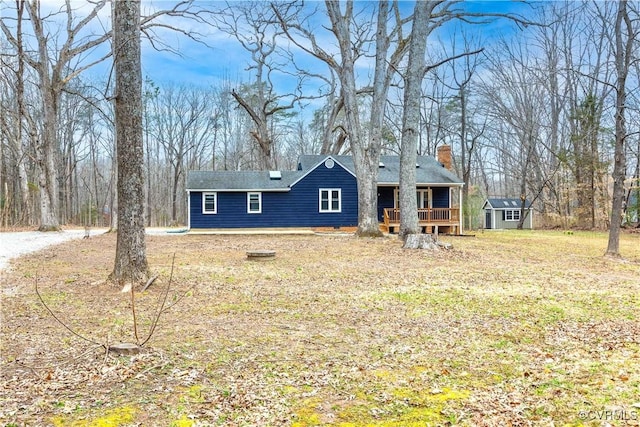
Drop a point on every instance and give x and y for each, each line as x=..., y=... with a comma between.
x=60, y=321
x=149, y=282
x=164, y=301
x=125, y=348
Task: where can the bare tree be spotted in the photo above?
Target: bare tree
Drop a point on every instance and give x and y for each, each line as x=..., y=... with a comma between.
x=253, y=24
x=131, y=257
x=353, y=39
x=13, y=125
x=411, y=118
x=587, y=57
x=182, y=124
x=624, y=41
x=468, y=131
x=55, y=69
x=428, y=15
x=517, y=104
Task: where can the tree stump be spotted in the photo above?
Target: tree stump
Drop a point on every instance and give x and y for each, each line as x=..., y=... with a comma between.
x=261, y=254
x=420, y=241
x=125, y=349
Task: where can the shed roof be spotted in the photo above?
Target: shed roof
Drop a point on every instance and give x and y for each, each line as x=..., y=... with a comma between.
x=507, y=203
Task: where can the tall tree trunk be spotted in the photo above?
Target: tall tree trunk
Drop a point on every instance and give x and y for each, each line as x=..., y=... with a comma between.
x=46, y=149
x=47, y=175
x=174, y=192
x=131, y=259
x=366, y=156
x=25, y=211
x=623, y=50
x=411, y=119
x=365, y=150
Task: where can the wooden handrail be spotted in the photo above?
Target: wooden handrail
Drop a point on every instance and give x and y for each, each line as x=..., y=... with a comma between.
x=425, y=215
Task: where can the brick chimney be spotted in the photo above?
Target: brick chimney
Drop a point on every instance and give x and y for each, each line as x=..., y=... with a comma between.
x=444, y=156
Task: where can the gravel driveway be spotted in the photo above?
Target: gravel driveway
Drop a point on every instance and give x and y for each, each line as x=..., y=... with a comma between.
x=14, y=244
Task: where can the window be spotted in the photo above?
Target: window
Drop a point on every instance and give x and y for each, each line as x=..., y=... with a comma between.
x=512, y=215
x=209, y=203
x=254, y=203
x=330, y=200
x=423, y=198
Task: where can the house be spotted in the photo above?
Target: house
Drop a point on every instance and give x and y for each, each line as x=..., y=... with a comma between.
x=501, y=213
x=322, y=192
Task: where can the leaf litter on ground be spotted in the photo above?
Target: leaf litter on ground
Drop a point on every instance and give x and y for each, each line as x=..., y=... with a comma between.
x=519, y=328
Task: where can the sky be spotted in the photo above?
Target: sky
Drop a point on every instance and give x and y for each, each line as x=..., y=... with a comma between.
x=224, y=58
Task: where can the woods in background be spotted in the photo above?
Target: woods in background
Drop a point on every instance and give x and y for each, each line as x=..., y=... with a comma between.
x=533, y=112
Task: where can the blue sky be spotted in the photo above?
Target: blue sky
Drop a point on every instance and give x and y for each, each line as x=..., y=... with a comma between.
x=201, y=65
x=207, y=66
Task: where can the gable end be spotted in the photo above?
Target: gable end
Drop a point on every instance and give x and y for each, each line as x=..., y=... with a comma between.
x=328, y=162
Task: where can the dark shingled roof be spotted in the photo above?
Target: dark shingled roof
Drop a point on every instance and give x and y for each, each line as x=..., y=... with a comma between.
x=507, y=203
x=428, y=171
x=240, y=180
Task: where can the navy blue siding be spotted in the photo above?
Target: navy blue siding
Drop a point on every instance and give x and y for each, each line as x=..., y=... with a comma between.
x=385, y=200
x=296, y=208
x=440, y=197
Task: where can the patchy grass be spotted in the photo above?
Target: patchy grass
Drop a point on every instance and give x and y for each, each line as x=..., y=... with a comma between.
x=509, y=328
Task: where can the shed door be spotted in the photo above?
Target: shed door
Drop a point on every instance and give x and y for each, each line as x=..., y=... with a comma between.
x=487, y=219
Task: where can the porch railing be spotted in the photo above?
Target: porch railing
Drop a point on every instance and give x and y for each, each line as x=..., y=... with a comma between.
x=425, y=216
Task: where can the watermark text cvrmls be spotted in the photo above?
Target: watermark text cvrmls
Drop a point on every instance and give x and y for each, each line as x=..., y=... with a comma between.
x=610, y=415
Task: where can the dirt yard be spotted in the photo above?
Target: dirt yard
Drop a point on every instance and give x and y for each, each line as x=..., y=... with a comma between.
x=508, y=328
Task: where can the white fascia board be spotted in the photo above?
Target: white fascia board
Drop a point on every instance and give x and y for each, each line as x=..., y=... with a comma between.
x=240, y=190
x=421, y=184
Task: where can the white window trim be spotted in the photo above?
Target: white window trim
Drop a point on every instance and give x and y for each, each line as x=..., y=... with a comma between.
x=215, y=203
x=421, y=194
x=513, y=215
x=249, y=194
x=330, y=191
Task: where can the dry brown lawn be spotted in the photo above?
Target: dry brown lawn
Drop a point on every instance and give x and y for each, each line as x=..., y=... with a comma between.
x=508, y=328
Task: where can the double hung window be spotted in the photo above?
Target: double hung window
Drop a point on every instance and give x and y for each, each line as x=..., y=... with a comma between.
x=330, y=200
x=254, y=203
x=209, y=203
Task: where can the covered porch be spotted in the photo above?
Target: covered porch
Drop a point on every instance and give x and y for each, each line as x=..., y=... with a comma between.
x=432, y=220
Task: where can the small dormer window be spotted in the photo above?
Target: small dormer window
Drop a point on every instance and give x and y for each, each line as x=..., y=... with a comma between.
x=417, y=165
x=381, y=165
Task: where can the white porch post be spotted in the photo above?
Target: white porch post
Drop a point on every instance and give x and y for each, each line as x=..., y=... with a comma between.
x=461, y=213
